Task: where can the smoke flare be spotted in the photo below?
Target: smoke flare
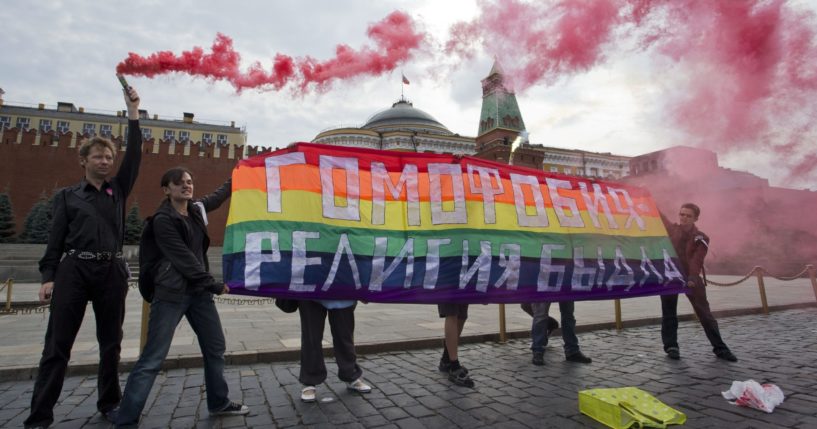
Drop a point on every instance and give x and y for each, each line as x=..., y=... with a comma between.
x=395, y=39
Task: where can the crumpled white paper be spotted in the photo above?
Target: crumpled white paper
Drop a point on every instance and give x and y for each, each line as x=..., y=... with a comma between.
x=752, y=394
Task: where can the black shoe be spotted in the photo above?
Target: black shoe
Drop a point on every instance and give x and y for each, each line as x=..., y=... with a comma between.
x=578, y=357
x=232, y=409
x=460, y=377
x=110, y=415
x=553, y=325
x=726, y=355
x=673, y=353
x=41, y=425
x=445, y=365
x=538, y=358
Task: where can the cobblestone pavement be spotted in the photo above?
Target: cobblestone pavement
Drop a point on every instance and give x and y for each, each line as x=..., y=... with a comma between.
x=510, y=392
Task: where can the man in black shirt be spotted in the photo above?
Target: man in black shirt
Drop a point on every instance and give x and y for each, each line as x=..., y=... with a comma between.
x=83, y=262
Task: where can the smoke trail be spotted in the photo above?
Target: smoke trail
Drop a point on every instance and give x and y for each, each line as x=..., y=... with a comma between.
x=748, y=68
x=395, y=39
x=221, y=63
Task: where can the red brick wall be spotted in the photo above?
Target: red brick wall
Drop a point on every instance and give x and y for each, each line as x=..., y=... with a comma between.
x=27, y=170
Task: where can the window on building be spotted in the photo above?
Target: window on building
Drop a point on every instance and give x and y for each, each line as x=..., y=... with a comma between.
x=169, y=135
x=554, y=169
x=5, y=122
x=147, y=133
x=23, y=123
x=106, y=130
x=221, y=139
x=594, y=172
x=45, y=125
x=207, y=138
x=63, y=126
x=184, y=136
x=89, y=129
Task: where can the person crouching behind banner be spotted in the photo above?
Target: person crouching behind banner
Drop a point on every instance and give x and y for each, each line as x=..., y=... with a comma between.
x=175, y=240
x=691, y=245
x=342, y=324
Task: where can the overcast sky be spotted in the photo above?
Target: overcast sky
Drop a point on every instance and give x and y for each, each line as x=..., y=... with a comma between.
x=67, y=51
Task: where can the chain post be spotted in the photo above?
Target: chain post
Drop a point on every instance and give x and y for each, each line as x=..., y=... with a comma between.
x=762, y=288
x=143, y=334
x=619, y=323
x=812, y=274
x=9, y=287
x=503, y=335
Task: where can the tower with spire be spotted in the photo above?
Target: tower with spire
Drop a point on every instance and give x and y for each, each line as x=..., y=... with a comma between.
x=500, y=120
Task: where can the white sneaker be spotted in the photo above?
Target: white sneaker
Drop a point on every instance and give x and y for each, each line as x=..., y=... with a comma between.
x=359, y=386
x=308, y=394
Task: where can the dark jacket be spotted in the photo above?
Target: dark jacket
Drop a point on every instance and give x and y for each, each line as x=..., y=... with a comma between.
x=167, y=253
x=79, y=225
x=691, y=247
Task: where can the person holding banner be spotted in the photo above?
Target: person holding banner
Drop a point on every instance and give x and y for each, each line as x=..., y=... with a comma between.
x=83, y=262
x=175, y=244
x=541, y=328
x=342, y=324
x=455, y=316
x=691, y=245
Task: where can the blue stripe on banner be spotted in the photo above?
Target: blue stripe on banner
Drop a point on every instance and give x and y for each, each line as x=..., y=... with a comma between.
x=276, y=279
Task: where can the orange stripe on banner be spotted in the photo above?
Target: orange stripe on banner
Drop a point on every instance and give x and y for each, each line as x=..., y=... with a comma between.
x=306, y=178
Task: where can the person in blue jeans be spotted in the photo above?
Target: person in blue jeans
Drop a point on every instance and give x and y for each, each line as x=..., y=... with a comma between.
x=540, y=332
x=174, y=256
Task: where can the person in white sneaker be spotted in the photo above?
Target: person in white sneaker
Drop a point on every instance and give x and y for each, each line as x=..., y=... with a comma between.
x=342, y=324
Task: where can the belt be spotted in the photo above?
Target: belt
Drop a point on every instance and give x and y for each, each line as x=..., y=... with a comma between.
x=93, y=256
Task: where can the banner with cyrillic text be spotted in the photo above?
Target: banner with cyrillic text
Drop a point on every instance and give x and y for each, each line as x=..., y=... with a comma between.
x=327, y=222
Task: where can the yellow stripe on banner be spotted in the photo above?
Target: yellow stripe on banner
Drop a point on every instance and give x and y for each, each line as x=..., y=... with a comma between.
x=303, y=206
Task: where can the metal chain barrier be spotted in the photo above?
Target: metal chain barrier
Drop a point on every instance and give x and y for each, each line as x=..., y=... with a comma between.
x=785, y=279
x=751, y=273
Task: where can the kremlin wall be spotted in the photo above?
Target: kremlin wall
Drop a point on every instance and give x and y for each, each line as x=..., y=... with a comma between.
x=35, y=162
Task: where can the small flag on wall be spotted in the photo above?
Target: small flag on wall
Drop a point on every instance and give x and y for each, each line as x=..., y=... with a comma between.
x=405, y=80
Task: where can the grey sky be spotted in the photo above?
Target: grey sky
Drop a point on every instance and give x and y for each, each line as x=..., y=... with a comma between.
x=67, y=51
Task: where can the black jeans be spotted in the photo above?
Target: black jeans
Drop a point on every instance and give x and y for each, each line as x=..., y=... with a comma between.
x=342, y=324
x=669, y=320
x=76, y=283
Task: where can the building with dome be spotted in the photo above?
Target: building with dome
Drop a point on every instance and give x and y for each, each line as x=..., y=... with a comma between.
x=407, y=128
x=400, y=127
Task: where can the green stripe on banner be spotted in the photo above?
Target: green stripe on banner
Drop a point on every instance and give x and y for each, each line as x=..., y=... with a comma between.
x=362, y=240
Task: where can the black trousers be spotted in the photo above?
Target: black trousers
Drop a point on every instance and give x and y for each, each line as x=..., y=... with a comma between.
x=342, y=324
x=76, y=283
x=669, y=319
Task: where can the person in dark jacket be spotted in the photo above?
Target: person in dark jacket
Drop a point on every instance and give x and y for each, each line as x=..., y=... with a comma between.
x=83, y=262
x=177, y=244
x=691, y=245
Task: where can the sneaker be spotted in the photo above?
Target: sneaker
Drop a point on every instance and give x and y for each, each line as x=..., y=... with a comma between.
x=673, y=353
x=538, y=358
x=308, y=394
x=460, y=377
x=553, y=325
x=359, y=386
x=232, y=409
x=726, y=355
x=578, y=357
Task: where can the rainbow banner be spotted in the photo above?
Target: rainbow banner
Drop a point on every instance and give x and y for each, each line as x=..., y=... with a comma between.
x=325, y=222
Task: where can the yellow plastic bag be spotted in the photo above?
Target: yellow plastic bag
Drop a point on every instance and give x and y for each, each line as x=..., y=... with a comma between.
x=626, y=407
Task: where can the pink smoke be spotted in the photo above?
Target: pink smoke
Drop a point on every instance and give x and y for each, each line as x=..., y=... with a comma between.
x=395, y=38
x=750, y=67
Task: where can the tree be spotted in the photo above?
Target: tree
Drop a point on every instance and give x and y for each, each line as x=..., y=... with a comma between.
x=6, y=219
x=133, y=225
x=38, y=222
